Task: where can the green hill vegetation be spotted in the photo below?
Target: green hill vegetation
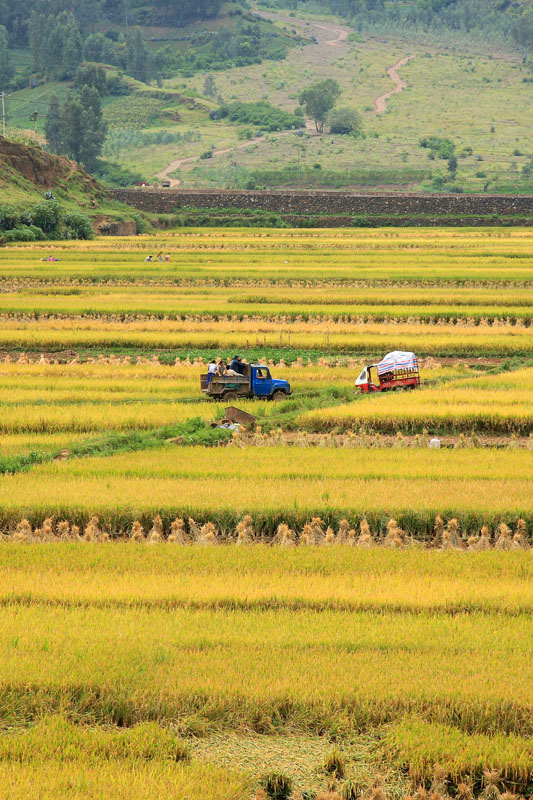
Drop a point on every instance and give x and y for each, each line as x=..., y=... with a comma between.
x=207, y=94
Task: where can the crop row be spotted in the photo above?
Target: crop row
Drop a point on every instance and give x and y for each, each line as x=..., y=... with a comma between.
x=276, y=485
x=480, y=307
x=314, y=533
x=369, y=338
x=253, y=667
x=287, y=257
x=349, y=578
x=81, y=762
x=420, y=748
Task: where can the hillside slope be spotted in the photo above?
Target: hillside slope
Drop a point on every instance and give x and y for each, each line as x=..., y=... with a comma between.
x=27, y=172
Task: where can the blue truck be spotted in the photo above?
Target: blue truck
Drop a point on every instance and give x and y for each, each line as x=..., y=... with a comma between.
x=256, y=382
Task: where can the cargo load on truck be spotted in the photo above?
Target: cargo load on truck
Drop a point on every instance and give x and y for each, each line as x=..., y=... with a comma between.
x=397, y=370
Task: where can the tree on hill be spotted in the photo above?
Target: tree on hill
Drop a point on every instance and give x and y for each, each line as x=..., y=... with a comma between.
x=83, y=128
x=52, y=126
x=56, y=44
x=318, y=99
x=6, y=70
x=92, y=76
x=137, y=56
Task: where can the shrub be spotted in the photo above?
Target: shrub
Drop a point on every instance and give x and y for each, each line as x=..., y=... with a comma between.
x=344, y=121
x=443, y=148
x=140, y=222
x=261, y=115
x=9, y=217
x=79, y=226
x=23, y=234
x=47, y=216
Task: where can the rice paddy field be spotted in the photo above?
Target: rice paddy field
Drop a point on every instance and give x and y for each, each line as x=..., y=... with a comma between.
x=321, y=606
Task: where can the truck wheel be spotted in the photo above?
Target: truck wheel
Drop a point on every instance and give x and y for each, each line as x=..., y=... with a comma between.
x=278, y=395
x=231, y=396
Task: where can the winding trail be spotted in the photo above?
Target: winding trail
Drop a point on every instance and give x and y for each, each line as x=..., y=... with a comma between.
x=341, y=39
x=327, y=35
x=380, y=103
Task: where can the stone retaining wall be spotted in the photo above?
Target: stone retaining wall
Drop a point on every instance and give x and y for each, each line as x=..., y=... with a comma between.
x=313, y=202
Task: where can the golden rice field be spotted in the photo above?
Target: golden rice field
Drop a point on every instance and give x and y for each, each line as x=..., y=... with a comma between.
x=291, y=653
x=190, y=612
x=278, y=484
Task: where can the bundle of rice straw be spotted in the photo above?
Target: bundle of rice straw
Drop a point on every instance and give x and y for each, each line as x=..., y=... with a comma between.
x=137, y=532
x=178, y=534
x=520, y=541
x=450, y=537
x=329, y=537
x=438, y=529
x=48, y=533
x=342, y=533
x=285, y=536
x=195, y=529
x=156, y=534
x=503, y=542
x=23, y=531
x=395, y=538
x=63, y=530
x=208, y=534
x=245, y=530
x=365, y=539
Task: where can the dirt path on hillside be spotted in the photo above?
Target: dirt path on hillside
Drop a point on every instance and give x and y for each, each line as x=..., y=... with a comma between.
x=380, y=103
x=341, y=39
x=174, y=165
x=327, y=36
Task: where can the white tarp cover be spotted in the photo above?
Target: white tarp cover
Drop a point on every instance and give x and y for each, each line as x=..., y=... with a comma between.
x=397, y=360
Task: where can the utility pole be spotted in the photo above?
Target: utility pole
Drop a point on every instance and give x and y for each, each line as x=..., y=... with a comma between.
x=4, y=114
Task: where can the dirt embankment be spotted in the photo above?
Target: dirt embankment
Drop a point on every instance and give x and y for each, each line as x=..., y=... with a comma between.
x=47, y=171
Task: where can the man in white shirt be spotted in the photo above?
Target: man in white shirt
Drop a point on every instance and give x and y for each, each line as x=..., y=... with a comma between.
x=211, y=370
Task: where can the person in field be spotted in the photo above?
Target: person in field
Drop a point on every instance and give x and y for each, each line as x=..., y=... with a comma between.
x=167, y=256
x=149, y=258
x=160, y=256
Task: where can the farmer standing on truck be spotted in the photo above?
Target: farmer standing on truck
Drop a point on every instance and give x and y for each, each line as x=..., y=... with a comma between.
x=211, y=370
x=237, y=365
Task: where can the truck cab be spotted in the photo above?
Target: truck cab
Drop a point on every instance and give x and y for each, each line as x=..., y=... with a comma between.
x=368, y=380
x=264, y=385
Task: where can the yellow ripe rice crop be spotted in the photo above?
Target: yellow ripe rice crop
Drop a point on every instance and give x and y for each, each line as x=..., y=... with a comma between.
x=480, y=305
x=239, y=665
x=278, y=483
x=339, y=578
x=228, y=335
x=462, y=405
x=418, y=746
x=308, y=584
x=139, y=763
